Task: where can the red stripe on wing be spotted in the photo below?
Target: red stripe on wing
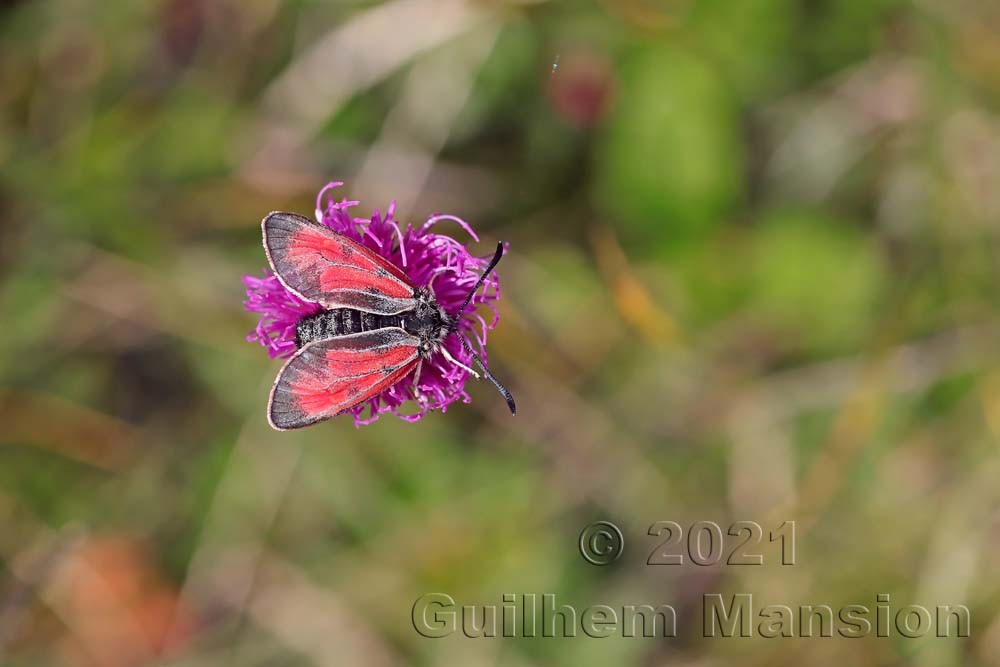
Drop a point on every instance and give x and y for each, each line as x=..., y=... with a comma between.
x=353, y=363
x=320, y=400
x=343, y=276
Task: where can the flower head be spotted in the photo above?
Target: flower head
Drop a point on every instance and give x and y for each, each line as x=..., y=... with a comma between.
x=427, y=259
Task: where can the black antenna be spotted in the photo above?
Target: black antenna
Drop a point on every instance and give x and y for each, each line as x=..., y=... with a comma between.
x=468, y=348
x=489, y=376
x=493, y=262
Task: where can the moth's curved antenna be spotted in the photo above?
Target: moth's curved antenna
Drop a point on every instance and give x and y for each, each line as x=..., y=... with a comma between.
x=468, y=348
x=489, y=376
x=493, y=262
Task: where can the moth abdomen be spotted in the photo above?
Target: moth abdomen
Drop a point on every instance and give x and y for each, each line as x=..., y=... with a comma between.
x=341, y=322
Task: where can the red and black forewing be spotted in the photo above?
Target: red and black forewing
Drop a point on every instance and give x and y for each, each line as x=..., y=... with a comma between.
x=321, y=265
x=330, y=376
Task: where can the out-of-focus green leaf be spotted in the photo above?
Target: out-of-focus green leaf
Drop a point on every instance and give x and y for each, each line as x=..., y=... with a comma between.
x=840, y=33
x=815, y=279
x=199, y=120
x=671, y=163
x=749, y=40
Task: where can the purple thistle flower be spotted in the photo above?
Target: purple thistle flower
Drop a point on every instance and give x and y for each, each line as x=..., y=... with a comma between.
x=426, y=258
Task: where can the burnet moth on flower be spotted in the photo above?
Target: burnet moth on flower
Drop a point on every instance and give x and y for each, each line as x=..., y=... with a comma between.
x=365, y=328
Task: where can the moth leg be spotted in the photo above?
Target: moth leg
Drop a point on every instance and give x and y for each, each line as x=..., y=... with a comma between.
x=458, y=363
x=416, y=384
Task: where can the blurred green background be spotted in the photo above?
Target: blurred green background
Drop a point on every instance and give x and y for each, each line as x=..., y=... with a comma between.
x=753, y=277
